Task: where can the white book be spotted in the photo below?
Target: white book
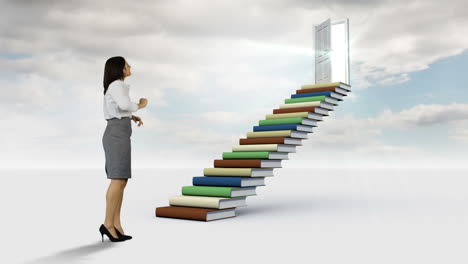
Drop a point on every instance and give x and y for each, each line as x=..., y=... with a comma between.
x=305, y=104
x=207, y=202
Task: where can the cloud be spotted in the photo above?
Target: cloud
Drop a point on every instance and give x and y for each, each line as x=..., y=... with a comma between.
x=367, y=142
x=398, y=40
x=225, y=64
x=423, y=115
x=460, y=132
x=29, y=91
x=170, y=35
x=204, y=136
x=366, y=136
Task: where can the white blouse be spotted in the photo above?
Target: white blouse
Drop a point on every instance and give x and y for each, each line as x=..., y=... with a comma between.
x=117, y=101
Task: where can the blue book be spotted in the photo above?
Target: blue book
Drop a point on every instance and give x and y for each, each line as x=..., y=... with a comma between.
x=334, y=95
x=297, y=127
x=229, y=181
x=275, y=127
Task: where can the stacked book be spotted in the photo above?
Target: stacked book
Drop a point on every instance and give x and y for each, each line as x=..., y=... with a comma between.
x=226, y=186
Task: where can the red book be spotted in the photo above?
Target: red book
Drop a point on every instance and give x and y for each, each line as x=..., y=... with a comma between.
x=194, y=213
x=295, y=110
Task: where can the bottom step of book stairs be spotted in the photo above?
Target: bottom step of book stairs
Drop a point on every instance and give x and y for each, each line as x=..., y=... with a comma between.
x=201, y=208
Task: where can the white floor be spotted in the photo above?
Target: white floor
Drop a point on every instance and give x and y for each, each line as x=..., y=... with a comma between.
x=325, y=216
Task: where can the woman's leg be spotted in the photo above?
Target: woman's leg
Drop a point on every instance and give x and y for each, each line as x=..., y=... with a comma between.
x=112, y=200
x=117, y=222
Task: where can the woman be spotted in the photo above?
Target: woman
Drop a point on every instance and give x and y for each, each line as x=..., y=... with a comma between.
x=118, y=110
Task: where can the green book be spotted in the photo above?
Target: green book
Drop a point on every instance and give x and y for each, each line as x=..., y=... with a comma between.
x=305, y=99
x=255, y=155
x=246, y=155
x=218, y=191
x=279, y=121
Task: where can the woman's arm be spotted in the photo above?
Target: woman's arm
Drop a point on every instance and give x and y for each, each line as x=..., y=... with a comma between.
x=137, y=119
x=121, y=96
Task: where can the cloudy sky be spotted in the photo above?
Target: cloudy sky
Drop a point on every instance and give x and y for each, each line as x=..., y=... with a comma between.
x=212, y=69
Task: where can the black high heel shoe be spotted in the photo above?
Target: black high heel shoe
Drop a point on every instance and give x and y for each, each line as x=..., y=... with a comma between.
x=122, y=236
x=103, y=230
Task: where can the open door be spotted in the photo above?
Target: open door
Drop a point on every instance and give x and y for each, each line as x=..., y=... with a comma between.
x=322, y=52
x=332, y=52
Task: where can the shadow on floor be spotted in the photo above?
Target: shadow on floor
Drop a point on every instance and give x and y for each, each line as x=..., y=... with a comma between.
x=76, y=255
x=301, y=206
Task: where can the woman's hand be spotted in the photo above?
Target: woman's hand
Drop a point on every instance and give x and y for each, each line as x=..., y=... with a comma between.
x=143, y=103
x=137, y=119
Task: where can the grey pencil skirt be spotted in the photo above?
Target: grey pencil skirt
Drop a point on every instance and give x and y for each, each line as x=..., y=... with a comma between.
x=117, y=148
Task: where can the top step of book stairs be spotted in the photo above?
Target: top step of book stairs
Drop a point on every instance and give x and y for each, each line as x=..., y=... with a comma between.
x=221, y=189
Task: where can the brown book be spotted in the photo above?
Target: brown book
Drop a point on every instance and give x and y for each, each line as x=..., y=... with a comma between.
x=265, y=140
x=238, y=163
x=194, y=213
x=314, y=90
x=247, y=163
x=294, y=110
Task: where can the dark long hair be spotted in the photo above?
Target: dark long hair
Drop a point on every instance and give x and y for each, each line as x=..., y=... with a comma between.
x=113, y=70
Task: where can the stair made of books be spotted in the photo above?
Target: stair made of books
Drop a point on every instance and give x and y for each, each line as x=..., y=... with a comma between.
x=222, y=189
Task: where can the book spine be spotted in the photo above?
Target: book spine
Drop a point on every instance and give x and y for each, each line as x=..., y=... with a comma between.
x=304, y=114
x=246, y=172
x=327, y=85
x=182, y=212
x=246, y=155
x=320, y=85
x=207, y=191
x=275, y=127
x=315, y=90
x=280, y=121
x=278, y=133
x=305, y=99
x=303, y=104
x=294, y=110
x=326, y=93
x=195, y=201
x=265, y=140
x=217, y=181
x=238, y=163
x=255, y=147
